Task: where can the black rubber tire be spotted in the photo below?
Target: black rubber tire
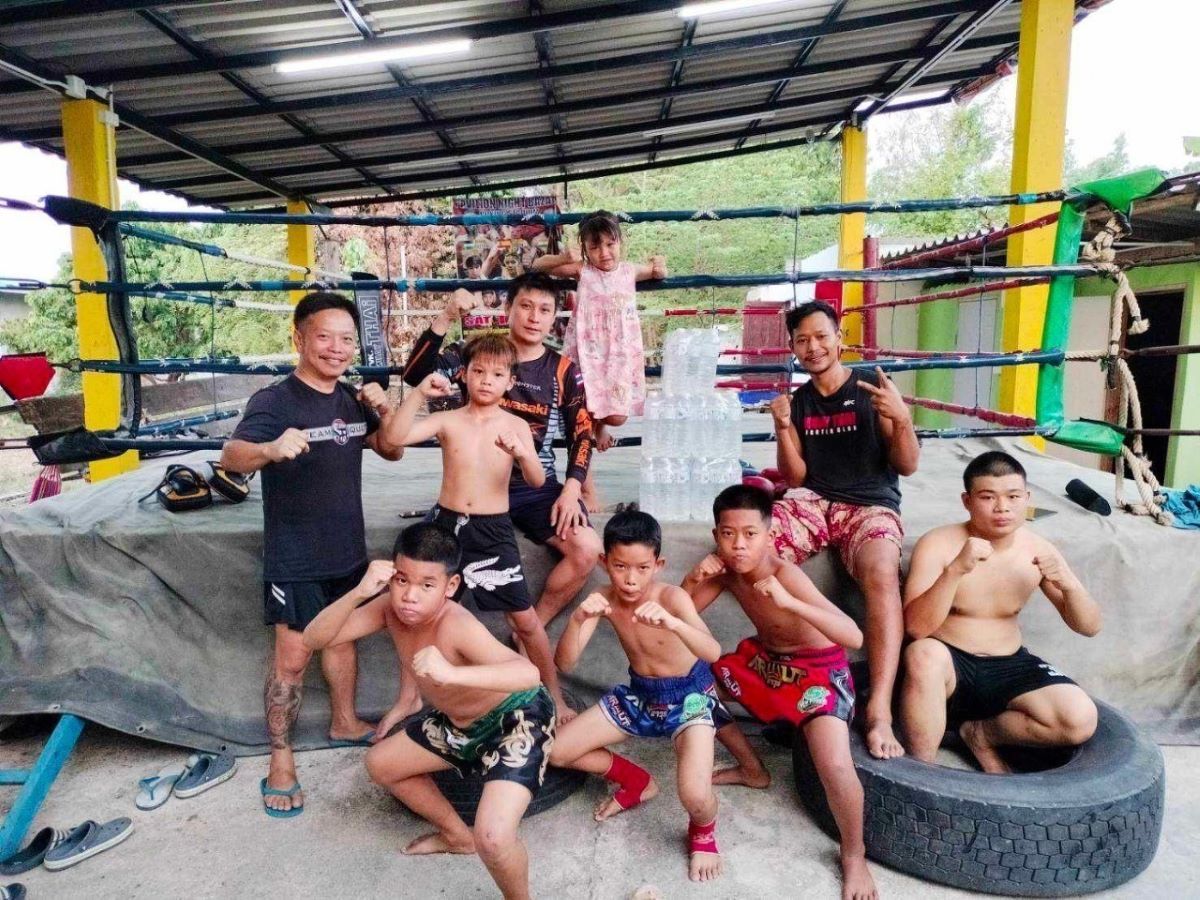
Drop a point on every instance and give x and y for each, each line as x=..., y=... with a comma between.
x=1087, y=825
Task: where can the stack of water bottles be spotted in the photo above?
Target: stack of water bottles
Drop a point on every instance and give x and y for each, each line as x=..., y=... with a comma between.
x=692, y=433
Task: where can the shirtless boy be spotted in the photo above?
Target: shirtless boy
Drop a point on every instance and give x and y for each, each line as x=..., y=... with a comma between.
x=794, y=669
x=967, y=584
x=480, y=442
x=489, y=713
x=670, y=694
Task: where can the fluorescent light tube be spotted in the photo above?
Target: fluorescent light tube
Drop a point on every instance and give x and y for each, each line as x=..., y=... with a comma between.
x=407, y=53
x=713, y=7
x=701, y=126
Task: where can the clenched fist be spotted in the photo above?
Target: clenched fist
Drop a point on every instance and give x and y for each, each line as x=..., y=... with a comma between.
x=595, y=606
x=288, y=445
x=709, y=567
x=974, y=551
x=428, y=662
x=378, y=575
x=374, y=397
x=434, y=385
x=781, y=410
x=651, y=613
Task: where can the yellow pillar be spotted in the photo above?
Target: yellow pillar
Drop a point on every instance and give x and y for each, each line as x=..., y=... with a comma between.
x=301, y=246
x=1039, y=141
x=89, y=143
x=852, y=228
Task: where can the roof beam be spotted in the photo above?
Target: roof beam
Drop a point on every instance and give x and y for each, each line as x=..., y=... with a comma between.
x=51, y=10
x=149, y=126
x=359, y=21
x=664, y=112
x=952, y=43
x=199, y=52
x=545, y=55
x=550, y=21
x=797, y=65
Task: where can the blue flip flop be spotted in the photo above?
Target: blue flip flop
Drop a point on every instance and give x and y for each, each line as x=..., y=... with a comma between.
x=155, y=790
x=364, y=741
x=275, y=792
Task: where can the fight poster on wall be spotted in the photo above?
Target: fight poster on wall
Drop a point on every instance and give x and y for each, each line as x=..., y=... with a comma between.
x=500, y=251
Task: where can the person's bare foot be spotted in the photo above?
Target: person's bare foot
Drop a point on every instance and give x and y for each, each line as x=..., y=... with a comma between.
x=562, y=710
x=591, y=500
x=436, y=842
x=704, y=866
x=605, y=440
x=352, y=730
x=609, y=807
x=857, y=883
x=752, y=778
x=984, y=751
x=283, y=778
x=881, y=740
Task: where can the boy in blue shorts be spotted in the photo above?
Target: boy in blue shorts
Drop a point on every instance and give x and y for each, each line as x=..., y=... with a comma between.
x=671, y=691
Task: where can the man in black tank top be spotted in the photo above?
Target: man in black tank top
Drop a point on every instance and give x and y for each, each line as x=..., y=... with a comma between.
x=844, y=438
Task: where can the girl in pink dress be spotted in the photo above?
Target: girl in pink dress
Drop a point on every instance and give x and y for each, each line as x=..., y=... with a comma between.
x=604, y=335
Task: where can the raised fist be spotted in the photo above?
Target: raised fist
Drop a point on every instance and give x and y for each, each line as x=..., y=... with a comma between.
x=974, y=551
x=434, y=385
x=595, y=606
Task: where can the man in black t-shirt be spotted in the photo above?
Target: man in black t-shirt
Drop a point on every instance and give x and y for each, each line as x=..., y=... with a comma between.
x=306, y=434
x=549, y=396
x=844, y=437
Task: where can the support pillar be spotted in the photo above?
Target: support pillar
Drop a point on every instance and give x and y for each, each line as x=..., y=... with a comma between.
x=1183, y=454
x=852, y=228
x=1039, y=142
x=90, y=147
x=301, y=244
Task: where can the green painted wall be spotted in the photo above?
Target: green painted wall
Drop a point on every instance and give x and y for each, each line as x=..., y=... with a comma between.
x=1183, y=453
x=937, y=329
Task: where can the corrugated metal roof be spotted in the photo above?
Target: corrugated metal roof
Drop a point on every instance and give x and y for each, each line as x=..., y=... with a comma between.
x=550, y=89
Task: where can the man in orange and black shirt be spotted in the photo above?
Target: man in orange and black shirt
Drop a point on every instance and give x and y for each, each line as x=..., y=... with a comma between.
x=549, y=396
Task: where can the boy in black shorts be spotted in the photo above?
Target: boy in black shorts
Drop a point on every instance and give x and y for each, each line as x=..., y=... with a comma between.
x=489, y=714
x=480, y=443
x=548, y=394
x=306, y=434
x=966, y=586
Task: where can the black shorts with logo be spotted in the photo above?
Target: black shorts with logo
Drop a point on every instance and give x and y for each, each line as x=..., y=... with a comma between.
x=491, y=563
x=985, y=685
x=296, y=603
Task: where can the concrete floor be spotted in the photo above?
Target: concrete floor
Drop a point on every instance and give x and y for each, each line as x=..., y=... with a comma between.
x=220, y=845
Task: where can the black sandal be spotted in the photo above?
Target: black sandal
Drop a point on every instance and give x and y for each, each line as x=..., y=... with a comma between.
x=233, y=486
x=182, y=488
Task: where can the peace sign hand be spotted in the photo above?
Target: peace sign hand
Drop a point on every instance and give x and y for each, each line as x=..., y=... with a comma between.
x=886, y=398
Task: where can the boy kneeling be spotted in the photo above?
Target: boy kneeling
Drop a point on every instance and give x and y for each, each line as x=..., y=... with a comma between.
x=490, y=713
x=670, y=694
x=793, y=671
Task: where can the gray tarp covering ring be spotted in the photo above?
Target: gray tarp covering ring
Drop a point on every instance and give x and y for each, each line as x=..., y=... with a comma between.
x=151, y=622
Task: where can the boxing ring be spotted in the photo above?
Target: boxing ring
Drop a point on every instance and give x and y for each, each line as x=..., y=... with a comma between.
x=149, y=621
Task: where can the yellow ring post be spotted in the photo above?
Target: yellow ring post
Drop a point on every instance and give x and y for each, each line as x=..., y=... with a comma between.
x=852, y=227
x=90, y=146
x=1039, y=142
x=301, y=245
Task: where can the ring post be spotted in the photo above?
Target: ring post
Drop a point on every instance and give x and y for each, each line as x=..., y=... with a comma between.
x=89, y=143
x=852, y=227
x=301, y=245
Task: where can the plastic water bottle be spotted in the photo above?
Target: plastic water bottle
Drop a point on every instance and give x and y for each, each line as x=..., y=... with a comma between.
x=652, y=425
x=668, y=425
x=731, y=424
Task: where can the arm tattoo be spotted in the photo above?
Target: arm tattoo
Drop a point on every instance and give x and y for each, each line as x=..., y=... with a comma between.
x=282, y=701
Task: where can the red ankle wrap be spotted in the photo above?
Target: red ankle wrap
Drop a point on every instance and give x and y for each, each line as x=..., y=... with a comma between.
x=702, y=838
x=631, y=779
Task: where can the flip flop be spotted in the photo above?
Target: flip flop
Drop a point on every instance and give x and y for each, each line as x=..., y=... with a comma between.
x=364, y=741
x=156, y=789
x=33, y=853
x=14, y=891
x=92, y=839
x=207, y=772
x=275, y=792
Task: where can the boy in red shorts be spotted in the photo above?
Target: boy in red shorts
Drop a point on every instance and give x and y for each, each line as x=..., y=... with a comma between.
x=794, y=669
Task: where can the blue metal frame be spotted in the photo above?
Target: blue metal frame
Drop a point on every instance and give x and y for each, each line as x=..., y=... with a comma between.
x=35, y=782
